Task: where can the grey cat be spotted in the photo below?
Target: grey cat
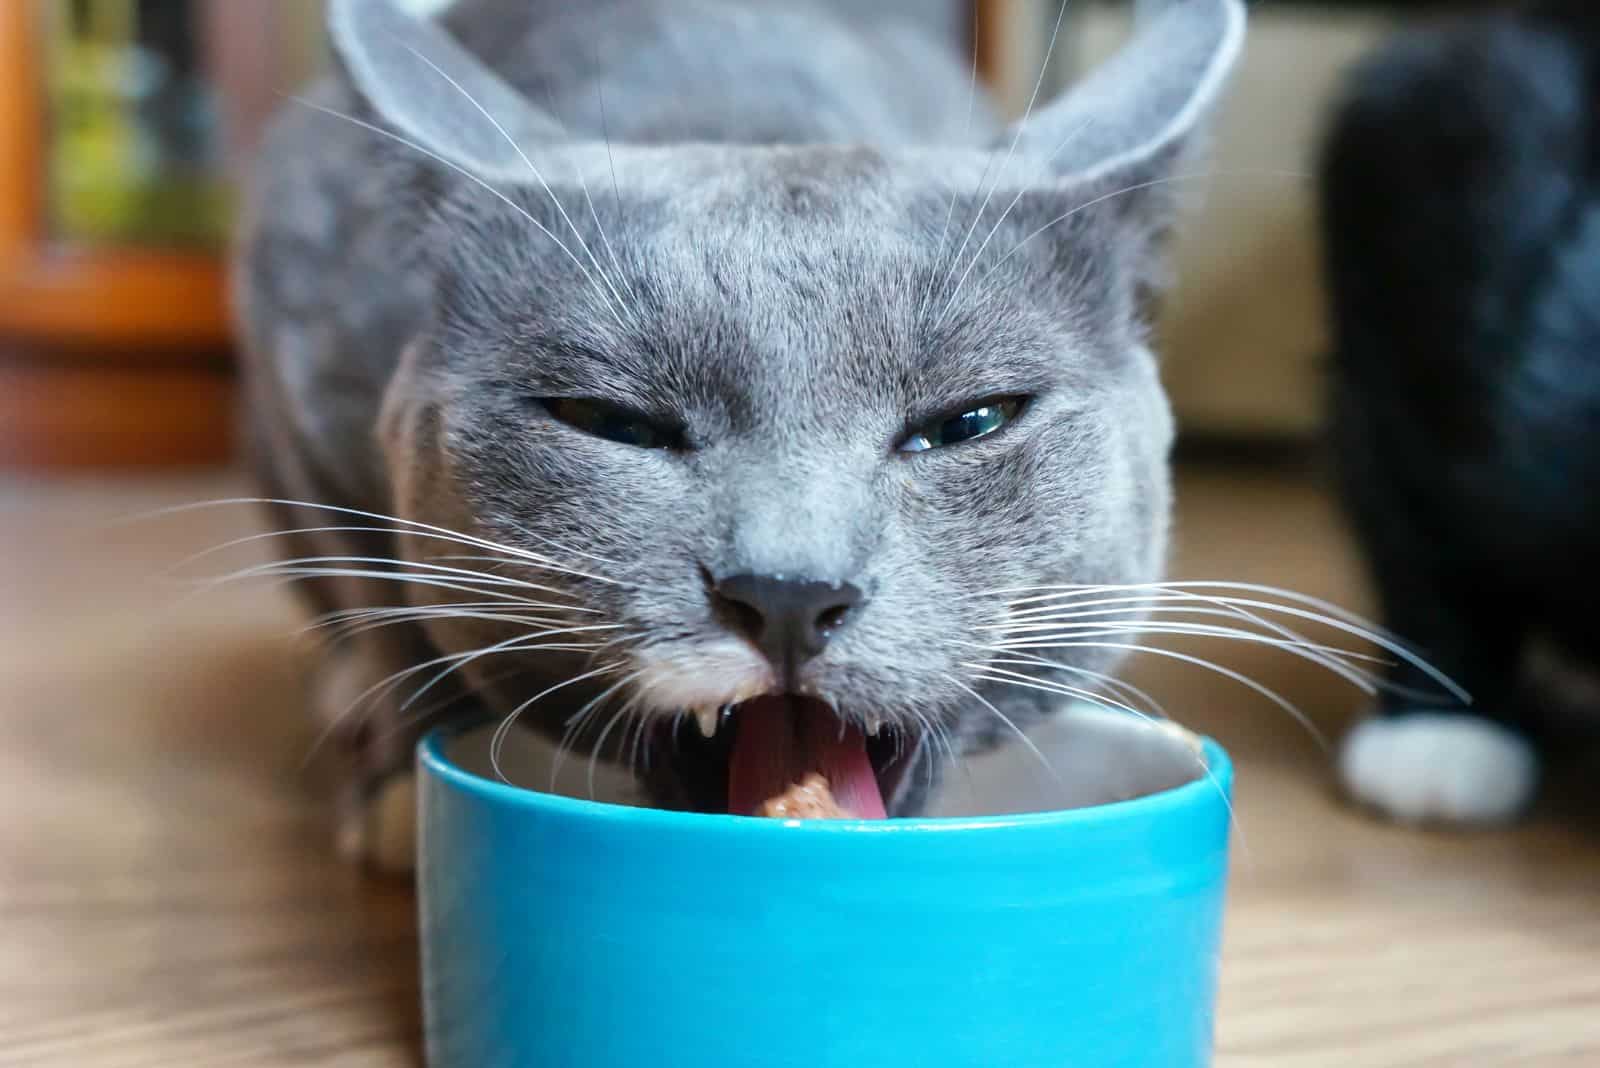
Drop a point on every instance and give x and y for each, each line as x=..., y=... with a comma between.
x=754, y=366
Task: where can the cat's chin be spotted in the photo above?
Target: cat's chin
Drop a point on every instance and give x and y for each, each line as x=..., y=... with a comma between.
x=733, y=760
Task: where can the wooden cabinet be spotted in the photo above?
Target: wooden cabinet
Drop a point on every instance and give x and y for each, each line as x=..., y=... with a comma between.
x=114, y=340
x=114, y=335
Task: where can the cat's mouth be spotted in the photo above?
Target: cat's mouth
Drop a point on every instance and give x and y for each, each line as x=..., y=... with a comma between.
x=738, y=759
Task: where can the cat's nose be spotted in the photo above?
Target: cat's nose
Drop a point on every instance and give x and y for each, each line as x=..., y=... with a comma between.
x=789, y=620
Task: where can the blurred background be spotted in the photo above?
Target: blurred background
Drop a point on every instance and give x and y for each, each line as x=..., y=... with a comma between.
x=168, y=889
x=128, y=124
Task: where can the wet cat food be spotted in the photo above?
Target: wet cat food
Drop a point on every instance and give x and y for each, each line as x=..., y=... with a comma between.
x=809, y=799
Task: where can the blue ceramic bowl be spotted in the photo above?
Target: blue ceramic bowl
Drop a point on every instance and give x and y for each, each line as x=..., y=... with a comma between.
x=560, y=933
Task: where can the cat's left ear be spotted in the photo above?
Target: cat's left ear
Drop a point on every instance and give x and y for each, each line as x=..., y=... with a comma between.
x=1131, y=121
x=429, y=87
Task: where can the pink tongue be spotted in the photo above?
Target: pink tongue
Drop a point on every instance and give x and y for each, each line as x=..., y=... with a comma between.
x=781, y=741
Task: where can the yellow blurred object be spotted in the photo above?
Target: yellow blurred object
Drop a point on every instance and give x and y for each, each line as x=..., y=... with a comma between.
x=119, y=114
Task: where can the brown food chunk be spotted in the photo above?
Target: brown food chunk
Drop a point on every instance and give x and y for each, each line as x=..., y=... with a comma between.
x=810, y=799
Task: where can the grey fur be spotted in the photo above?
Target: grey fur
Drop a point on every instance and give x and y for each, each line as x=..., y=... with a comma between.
x=775, y=274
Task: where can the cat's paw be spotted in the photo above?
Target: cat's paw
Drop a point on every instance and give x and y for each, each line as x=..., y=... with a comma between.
x=380, y=832
x=1442, y=769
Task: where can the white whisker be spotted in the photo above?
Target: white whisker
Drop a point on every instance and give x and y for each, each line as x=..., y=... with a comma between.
x=538, y=565
x=534, y=170
x=1029, y=682
x=1316, y=654
x=977, y=257
x=966, y=130
x=1139, y=615
x=377, y=619
x=497, y=740
x=499, y=195
x=1003, y=718
x=600, y=742
x=1123, y=690
x=515, y=644
x=389, y=682
x=1059, y=219
x=1044, y=69
x=387, y=568
x=578, y=720
x=405, y=526
x=1326, y=614
x=1244, y=680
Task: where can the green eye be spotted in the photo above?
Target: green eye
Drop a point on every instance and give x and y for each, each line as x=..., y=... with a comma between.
x=977, y=422
x=613, y=423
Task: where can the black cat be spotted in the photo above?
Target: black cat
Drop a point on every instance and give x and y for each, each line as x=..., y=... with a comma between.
x=1461, y=210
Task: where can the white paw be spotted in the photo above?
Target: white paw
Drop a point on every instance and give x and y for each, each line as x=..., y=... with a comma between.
x=1440, y=769
x=382, y=833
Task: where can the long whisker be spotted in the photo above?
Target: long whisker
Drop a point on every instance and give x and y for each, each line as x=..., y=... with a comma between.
x=1139, y=607
x=1139, y=615
x=504, y=554
x=1029, y=682
x=575, y=723
x=509, y=562
x=370, y=619
x=1011, y=726
x=389, y=682
x=1044, y=69
x=1054, y=592
x=1124, y=690
x=605, y=134
x=379, y=565
x=1170, y=179
x=533, y=535
x=1244, y=680
x=638, y=747
x=517, y=148
x=423, y=714
x=1333, y=658
x=409, y=526
x=497, y=740
x=513, y=205
x=977, y=257
x=605, y=238
x=513, y=644
x=300, y=574
x=1327, y=615
x=1316, y=654
x=600, y=742
x=966, y=130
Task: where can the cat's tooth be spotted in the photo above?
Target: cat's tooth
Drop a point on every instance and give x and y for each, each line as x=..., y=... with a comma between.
x=874, y=725
x=709, y=718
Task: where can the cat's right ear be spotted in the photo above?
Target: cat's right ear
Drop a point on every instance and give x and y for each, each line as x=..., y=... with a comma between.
x=1131, y=120
x=430, y=89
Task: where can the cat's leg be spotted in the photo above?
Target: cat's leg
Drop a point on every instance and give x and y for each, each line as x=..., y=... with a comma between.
x=360, y=720
x=374, y=825
x=1421, y=762
x=1419, y=759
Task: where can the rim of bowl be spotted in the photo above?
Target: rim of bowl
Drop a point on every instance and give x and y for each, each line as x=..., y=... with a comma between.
x=1213, y=787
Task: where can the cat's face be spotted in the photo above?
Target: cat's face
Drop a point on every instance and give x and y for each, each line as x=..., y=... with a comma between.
x=776, y=375
x=669, y=373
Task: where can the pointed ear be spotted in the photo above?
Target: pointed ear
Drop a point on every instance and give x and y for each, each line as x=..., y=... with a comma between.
x=1131, y=120
x=429, y=88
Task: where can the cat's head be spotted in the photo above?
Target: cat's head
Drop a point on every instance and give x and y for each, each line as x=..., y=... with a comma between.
x=788, y=422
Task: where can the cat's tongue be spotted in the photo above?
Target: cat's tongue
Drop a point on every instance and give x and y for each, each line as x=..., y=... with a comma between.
x=782, y=740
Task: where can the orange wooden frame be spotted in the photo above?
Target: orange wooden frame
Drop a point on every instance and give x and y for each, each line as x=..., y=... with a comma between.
x=119, y=302
x=987, y=18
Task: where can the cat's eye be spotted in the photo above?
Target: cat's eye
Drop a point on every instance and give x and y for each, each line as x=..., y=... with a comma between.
x=614, y=423
x=978, y=421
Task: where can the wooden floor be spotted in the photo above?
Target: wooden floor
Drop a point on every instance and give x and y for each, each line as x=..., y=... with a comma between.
x=169, y=896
